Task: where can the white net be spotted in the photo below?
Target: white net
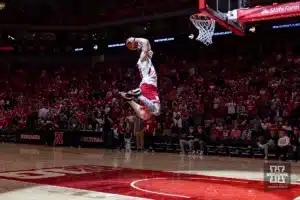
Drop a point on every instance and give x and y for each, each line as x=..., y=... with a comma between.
x=206, y=27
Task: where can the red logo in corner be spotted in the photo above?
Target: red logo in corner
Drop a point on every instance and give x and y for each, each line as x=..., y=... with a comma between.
x=58, y=138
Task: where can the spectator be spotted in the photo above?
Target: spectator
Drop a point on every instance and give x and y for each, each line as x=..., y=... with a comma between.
x=235, y=133
x=246, y=135
x=267, y=143
x=73, y=122
x=63, y=120
x=200, y=138
x=265, y=125
x=231, y=111
x=128, y=133
x=187, y=140
x=108, y=123
x=42, y=113
x=139, y=134
x=294, y=140
x=100, y=120
x=150, y=128
x=224, y=135
x=3, y=123
x=118, y=140
x=177, y=120
x=255, y=125
x=241, y=111
x=287, y=127
x=283, y=144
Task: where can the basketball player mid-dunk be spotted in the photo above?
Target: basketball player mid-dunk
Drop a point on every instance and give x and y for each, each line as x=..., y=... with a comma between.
x=147, y=92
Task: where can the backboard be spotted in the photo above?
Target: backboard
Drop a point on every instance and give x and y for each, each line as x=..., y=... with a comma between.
x=218, y=10
x=233, y=14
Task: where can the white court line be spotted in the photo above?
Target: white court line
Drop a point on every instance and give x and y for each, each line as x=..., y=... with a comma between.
x=153, y=192
x=47, y=192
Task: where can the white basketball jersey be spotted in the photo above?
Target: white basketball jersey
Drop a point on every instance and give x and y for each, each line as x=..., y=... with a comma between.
x=147, y=71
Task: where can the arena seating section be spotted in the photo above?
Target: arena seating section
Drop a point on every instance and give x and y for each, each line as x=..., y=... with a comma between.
x=261, y=78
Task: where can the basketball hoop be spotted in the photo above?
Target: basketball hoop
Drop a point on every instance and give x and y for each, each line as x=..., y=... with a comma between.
x=205, y=26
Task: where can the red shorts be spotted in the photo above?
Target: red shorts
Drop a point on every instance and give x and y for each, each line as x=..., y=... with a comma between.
x=150, y=92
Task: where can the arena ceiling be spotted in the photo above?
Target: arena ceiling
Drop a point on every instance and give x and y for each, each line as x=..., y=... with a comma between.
x=88, y=12
x=92, y=19
x=78, y=20
x=95, y=12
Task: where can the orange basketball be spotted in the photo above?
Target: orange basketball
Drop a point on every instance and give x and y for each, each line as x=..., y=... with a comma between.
x=131, y=45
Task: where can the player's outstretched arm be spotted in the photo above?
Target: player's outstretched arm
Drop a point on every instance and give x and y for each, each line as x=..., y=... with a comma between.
x=145, y=46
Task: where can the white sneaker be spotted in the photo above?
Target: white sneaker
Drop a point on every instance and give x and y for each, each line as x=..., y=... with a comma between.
x=135, y=92
x=126, y=96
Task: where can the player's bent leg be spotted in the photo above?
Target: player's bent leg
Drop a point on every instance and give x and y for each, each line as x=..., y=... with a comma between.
x=153, y=107
x=142, y=113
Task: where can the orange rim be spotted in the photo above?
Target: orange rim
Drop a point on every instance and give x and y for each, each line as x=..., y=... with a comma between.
x=201, y=15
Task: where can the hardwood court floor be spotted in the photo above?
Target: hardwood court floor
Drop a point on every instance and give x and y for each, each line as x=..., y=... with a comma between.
x=36, y=172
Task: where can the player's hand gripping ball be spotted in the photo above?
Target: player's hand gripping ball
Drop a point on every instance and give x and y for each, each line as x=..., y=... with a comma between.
x=131, y=44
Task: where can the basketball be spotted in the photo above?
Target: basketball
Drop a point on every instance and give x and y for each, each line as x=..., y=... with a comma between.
x=131, y=45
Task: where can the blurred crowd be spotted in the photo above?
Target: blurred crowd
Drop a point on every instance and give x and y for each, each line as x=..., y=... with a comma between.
x=240, y=96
